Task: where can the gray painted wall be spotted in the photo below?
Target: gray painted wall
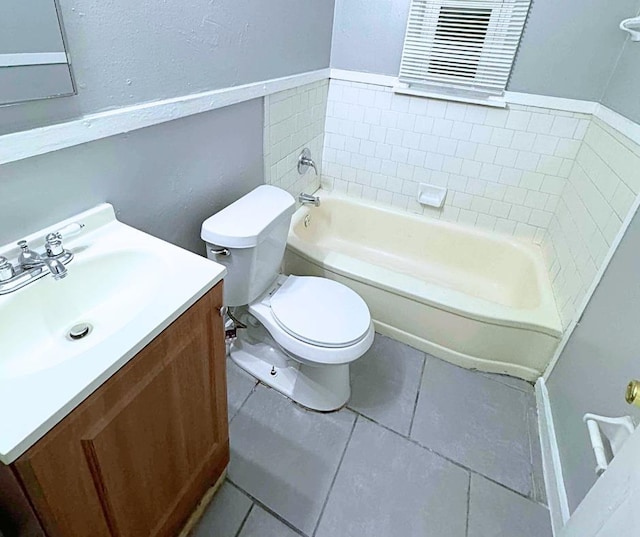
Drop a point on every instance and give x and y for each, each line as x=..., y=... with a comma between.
x=368, y=35
x=568, y=50
x=125, y=52
x=598, y=362
x=623, y=91
x=165, y=179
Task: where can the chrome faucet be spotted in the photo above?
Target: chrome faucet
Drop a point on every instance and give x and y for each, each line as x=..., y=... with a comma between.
x=28, y=259
x=305, y=162
x=308, y=199
x=31, y=266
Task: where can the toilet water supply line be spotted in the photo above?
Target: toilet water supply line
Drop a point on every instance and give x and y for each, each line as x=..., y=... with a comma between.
x=231, y=325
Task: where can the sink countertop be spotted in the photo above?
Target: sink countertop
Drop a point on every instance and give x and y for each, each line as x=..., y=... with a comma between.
x=33, y=401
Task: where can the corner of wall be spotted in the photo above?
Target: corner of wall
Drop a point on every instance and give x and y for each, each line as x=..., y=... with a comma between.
x=594, y=205
x=294, y=119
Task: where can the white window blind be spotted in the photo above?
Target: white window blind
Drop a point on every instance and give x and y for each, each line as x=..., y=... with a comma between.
x=461, y=48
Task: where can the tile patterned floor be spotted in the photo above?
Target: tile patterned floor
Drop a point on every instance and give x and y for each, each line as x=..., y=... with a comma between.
x=424, y=449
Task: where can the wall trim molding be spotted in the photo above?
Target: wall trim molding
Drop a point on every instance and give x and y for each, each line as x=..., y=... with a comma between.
x=617, y=121
x=547, y=101
x=551, y=464
x=30, y=143
x=363, y=78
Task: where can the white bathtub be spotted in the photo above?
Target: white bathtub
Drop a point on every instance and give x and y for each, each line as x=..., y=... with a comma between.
x=473, y=298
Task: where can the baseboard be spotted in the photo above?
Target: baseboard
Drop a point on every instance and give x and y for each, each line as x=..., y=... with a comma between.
x=551, y=464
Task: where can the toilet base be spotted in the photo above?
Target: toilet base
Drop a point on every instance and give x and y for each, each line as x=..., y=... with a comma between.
x=322, y=388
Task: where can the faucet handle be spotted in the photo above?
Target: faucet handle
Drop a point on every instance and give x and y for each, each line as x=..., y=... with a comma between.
x=27, y=255
x=53, y=241
x=70, y=230
x=6, y=269
x=305, y=162
x=53, y=244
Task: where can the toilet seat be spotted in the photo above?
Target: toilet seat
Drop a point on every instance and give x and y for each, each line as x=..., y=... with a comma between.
x=320, y=311
x=325, y=342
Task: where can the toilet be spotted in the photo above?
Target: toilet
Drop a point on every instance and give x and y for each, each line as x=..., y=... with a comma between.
x=301, y=332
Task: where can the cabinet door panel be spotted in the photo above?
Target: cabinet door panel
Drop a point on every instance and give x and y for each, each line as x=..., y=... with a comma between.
x=145, y=447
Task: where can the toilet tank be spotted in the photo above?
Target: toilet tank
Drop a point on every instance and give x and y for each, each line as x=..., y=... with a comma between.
x=254, y=230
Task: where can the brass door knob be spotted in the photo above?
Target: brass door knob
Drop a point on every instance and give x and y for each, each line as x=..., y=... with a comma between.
x=632, y=395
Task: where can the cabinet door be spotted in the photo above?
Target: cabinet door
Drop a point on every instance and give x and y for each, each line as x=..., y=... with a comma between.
x=136, y=457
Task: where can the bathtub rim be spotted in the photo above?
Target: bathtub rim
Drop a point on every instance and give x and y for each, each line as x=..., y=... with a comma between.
x=544, y=319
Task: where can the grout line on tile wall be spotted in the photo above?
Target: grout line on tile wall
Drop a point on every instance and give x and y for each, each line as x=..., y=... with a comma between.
x=244, y=520
x=273, y=513
x=415, y=403
x=335, y=476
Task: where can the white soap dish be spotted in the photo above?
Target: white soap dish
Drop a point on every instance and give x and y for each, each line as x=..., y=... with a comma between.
x=431, y=195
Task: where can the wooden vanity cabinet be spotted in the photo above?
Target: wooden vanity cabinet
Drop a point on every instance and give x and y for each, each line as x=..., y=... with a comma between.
x=136, y=456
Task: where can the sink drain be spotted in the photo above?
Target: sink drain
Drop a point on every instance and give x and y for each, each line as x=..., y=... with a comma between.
x=80, y=331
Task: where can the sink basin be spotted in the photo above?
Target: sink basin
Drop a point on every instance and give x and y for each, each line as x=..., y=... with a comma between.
x=96, y=291
x=125, y=285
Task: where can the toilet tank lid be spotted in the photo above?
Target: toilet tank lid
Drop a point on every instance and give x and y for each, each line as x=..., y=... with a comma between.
x=241, y=224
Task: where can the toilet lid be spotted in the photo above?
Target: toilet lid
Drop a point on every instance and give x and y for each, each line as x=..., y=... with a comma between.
x=320, y=311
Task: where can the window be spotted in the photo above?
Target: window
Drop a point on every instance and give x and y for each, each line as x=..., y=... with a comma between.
x=461, y=49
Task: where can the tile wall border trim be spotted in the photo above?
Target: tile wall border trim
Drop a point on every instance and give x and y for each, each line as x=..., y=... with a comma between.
x=91, y=127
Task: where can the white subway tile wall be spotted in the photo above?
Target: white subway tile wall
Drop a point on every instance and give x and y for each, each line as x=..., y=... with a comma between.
x=504, y=169
x=598, y=196
x=294, y=119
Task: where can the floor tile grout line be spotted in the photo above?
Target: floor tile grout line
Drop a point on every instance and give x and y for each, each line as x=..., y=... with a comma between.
x=335, y=476
x=415, y=403
x=253, y=389
x=268, y=509
x=490, y=376
x=244, y=520
x=455, y=463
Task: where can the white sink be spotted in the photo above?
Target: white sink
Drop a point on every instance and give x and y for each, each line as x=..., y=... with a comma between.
x=98, y=290
x=126, y=285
